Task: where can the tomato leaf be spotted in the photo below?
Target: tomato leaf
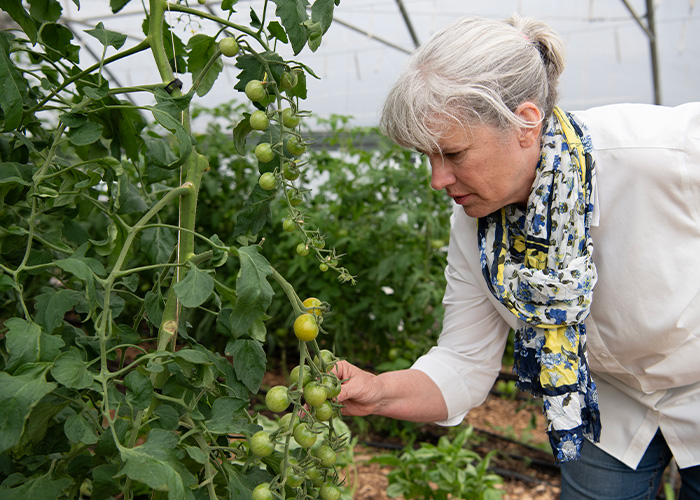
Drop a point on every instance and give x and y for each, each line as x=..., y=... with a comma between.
x=78, y=430
x=253, y=291
x=195, y=288
x=56, y=40
x=157, y=464
x=292, y=13
x=45, y=10
x=35, y=488
x=106, y=37
x=139, y=390
x=277, y=31
x=322, y=12
x=226, y=415
x=51, y=306
x=158, y=243
x=248, y=361
x=18, y=395
x=85, y=134
x=27, y=343
x=255, y=213
x=240, y=133
x=202, y=48
x=117, y=5
x=70, y=370
x=20, y=16
x=11, y=83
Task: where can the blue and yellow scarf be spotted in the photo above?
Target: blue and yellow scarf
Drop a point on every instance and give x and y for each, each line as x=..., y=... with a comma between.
x=538, y=263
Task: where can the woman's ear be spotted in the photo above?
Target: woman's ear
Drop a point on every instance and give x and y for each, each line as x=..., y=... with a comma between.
x=529, y=112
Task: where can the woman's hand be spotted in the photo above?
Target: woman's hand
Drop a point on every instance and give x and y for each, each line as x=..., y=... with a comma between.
x=403, y=394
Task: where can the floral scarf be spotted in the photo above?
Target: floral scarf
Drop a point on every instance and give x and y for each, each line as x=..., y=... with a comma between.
x=538, y=263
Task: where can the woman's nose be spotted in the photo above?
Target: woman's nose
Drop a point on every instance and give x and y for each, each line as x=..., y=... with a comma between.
x=441, y=175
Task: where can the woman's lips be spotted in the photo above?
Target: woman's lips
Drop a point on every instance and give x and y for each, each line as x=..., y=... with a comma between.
x=460, y=200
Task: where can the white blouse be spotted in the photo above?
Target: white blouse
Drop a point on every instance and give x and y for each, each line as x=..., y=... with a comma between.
x=644, y=327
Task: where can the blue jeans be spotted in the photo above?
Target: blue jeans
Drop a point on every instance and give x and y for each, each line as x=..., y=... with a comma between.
x=598, y=476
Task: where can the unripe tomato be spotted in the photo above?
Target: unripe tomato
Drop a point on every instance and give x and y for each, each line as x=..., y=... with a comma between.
x=228, y=46
x=304, y=436
x=264, y=153
x=319, y=243
x=294, y=376
x=261, y=445
x=290, y=172
x=329, y=491
x=332, y=385
x=294, y=146
x=289, y=80
x=288, y=420
x=255, y=90
x=314, y=474
x=302, y=249
x=324, y=411
x=327, y=357
x=315, y=305
x=277, y=399
x=289, y=225
x=258, y=120
x=305, y=327
x=262, y=492
x=323, y=267
x=295, y=200
x=326, y=455
x=294, y=479
x=289, y=118
x=315, y=394
x=267, y=181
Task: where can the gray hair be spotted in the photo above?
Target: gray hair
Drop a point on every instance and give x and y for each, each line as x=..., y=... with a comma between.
x=474, y=70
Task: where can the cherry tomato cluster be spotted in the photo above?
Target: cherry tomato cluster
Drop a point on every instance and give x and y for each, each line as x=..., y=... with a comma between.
x=307, y=407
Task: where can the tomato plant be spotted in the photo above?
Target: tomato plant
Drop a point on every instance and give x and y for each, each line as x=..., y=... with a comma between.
x=109, y=276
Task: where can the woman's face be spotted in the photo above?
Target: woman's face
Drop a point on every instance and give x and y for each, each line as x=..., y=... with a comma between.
x=483, y=168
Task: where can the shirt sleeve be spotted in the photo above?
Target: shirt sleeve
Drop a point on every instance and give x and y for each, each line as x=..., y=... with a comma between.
x=467, y=358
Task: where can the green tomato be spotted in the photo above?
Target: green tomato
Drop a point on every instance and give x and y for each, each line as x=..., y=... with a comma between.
x=319, y=243
x=306, y=327
x=294, y=376
x=228, y=46
x=289, y=80
x=277, y=399
x=287, y=420
x=302, y=249
x=326, y=455
x=315, y=394
x=267, y=181
x=262, y=492
x=264, y=153
x=295, y=200
x=289, y=225
x=327, y=356
x=290, y=172
x=255, y=90
x=261, y=444
x=304, y=436
x=294, y=479
x=289, y=118
x=331, y=383
x=315, y=476
x=329, y=491
x=324, y=411
x=323, y=267
x=259, y=120
x=294, y=146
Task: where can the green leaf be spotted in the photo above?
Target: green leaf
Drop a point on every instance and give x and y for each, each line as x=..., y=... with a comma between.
x=192, y=356
x=11, y=83
x=248, y=361
x=184, y=139
x=202, y=48
x=277, y=31
x=157, y=464
x=56, y=40
x=18, y=395
x=45, y=10
x=37, y=488
x=15, y=173
x=104, y=483
x=158, y=243
x=117, y=5
x=240, y=134
x=139, y=390
x=16, y=11
x=225, y=415
x=293, y=14
x=253, y=291
x=153, y=304
x=70, y=370
x=106, y=37
x=79, y=430
x=255, y=213
x=86, y=134
x=322, y=13
x=195, y=288
x=27, y=344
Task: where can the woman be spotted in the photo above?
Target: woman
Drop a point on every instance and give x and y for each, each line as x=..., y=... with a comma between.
x=549, y=204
